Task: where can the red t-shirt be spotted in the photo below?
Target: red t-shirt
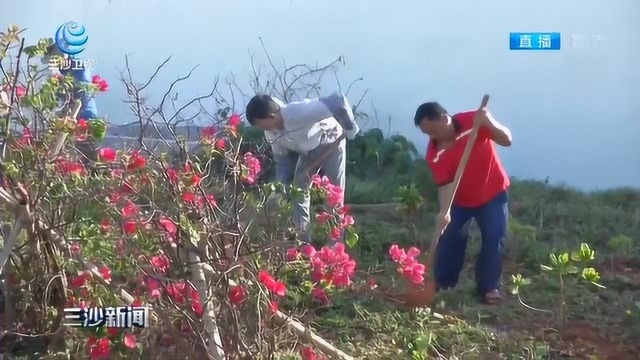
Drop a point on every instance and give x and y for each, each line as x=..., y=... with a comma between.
x=484, y=176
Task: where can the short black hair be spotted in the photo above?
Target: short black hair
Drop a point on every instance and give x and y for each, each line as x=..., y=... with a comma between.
x=260, y=106
x=430, y=111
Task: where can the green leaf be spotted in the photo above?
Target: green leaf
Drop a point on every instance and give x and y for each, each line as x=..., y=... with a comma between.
x=575, y=256
x=526, y=281
x=571, y=269
x=192, y=233
x=586, y=254
x=30, y=50
x=554, y=259
x=351, y=238
x=563, y=259
x=98, y=129
x=590, y=274
x=545, y=268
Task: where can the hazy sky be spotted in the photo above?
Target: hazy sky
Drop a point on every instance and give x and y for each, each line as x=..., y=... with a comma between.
x=574, y=113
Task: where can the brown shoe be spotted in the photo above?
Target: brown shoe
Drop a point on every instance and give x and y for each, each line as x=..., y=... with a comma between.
x=493, y=297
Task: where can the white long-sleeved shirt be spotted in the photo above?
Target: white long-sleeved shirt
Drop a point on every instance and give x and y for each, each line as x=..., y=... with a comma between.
x=4, y=103
x=306, y=122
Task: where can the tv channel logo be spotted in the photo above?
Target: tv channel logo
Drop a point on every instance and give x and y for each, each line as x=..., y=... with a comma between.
x=71, y=38
x=580, y=41
x=534, y=41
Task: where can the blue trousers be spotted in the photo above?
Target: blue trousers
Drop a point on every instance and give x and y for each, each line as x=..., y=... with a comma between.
x=492, y=220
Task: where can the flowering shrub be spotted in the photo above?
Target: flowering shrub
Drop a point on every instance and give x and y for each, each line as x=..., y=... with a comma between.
x=335, y=219
x=407, y=264
x=184, y=232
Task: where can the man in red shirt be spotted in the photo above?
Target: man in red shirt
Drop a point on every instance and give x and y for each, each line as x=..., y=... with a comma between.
x=481, y=195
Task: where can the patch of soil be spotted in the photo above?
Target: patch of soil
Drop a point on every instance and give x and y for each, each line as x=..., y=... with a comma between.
x=627, y=271
x=413, y=296
x=580, y=340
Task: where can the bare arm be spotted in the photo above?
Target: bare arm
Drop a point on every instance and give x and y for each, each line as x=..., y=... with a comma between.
x=500, y=134
x=444, y=197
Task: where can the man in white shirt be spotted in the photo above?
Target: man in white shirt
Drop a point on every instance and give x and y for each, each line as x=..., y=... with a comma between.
x=299, y=133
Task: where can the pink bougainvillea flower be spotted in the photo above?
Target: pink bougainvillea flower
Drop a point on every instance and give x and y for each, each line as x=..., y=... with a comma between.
x=307, y=353
x=82, y=125
x=320, y=182
x=220, y=144
x=332, y=265
x=21, y=91
x=105, y=225
x=407, y=263
x=308, y=250
x=176, y=291
x=276, y=287
x=335, y=196
x=208, y=132
x=194, y=180
x=335, y=233
x=323, y=217
x=168, y=226
x=252, y=168
x=292, y=254
x=105, y=272
x=182, y=292
x=172, y=175
x=75, y=248
x=320, y=295
x=78, y=281
x=414, y=272
x=237, y=294
x=136, y=161
x=129, y=209
x=154, y=289
x=129, y=340
x=26, y=138
x=100, y=83
x=99, y=349
x=234, y=120
x=130, y=227
x=69, y=167
x=160, y=263
x=189, y=197
x=347, y=220
x=107, y=154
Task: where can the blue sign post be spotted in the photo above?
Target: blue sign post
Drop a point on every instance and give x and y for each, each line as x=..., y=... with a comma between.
x=534, y=41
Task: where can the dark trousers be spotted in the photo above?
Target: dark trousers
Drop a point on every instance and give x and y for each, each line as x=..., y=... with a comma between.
x=492, y=220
